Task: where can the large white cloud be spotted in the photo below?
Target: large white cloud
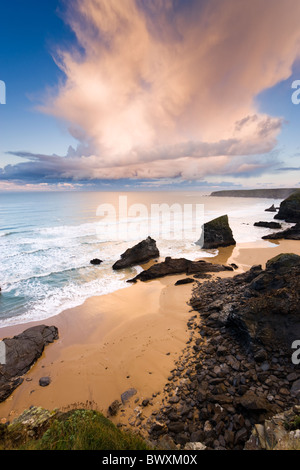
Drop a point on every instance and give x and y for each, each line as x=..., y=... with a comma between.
x=160, y=91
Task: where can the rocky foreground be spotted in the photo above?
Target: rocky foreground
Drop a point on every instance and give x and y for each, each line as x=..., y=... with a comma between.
x=21, y=352
x=236, y=370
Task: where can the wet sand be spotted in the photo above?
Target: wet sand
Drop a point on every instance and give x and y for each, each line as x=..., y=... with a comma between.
x=128, y=339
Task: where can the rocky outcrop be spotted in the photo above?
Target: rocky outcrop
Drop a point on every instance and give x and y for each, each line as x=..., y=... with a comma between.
x=292, y=233
x=271, y=209
x=178, y=266
x=270, y=312
x=22, y=352
x=272, y=225
x=281, y=432
x=217, y=233
x=236, y=369
x=140, y=253
x=290, y=209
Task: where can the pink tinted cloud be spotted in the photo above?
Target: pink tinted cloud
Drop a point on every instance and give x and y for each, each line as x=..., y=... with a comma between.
x=159, y=92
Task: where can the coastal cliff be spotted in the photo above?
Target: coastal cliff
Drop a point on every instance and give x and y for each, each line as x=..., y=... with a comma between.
x=280, y=193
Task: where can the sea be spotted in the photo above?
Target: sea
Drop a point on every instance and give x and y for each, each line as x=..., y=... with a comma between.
x=47, y=240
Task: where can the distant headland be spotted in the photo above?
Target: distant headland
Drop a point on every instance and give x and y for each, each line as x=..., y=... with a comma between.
x=281, y=193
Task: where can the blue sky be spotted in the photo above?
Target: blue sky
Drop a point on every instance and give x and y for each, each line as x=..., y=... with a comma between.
x=114, y=120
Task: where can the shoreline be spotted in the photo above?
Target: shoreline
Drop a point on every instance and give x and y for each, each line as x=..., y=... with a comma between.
x=128, y=339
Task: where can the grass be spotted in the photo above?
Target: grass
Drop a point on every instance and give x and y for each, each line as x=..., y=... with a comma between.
x=77, y=430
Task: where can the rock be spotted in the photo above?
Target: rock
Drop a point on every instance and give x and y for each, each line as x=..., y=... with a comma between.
x=128, y=394
x=272, y=225
x=295, y=390
x=187, y=280
x=44, y=381
x=290, y=209
x=292, y=233
x=251, y=402
x=275, y=433
x=271, y=209
x=284, y=261
x=114, y=408
x=177, y=266
x=217, y=233
x=139, y=254
x=96, y=261
x=194, y=446
x=22, y=352
x=176, y=427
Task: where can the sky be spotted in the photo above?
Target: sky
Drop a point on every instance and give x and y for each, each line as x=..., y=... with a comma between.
x=149, y=94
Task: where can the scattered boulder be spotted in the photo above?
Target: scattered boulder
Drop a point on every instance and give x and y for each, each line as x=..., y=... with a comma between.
x=178, y=266
x=44, y=381
x=292, y=233
x=217, y=233
x=187, y=280
x=290, y=209
x=272, y=225
x=114, y=408
x=140, y=253
x=22, y=352
x=128, y=394
x=96, y=262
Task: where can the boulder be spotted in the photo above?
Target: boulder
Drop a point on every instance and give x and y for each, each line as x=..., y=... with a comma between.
x=22, y=352
x=44, y=381
x=96, y=262
x=187, y=280
x=140, y=253
x=290, y=209
x=178, y=266
x=217, y=233
x=282, y=262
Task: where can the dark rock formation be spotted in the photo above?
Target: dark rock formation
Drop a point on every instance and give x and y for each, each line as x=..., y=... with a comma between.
x=44, y=381
x=178, y=266
x=96, y=261
x=236, y=369
x=114, y=408
x=217, y=233
x=140, y=253
x=22, y=352
x=292, y=233
x=290, y=209
x=187, y=280
x=128, y=394
x=271, y=209
x=270, y=311
x=272, y=225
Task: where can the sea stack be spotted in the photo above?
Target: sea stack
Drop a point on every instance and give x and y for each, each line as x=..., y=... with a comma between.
x=217, y=233
x=290, y=209
x=140, y=253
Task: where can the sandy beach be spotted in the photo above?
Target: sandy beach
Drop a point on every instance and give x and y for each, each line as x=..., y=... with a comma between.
x=128, y=339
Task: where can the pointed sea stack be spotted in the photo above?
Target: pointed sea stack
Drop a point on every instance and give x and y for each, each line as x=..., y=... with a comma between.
x=217, y=233
x=140, y=253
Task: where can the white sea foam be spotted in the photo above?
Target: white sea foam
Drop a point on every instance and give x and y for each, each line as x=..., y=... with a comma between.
x=46, y=269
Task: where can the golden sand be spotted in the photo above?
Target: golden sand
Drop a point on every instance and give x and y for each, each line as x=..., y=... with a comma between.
x=128, y=339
